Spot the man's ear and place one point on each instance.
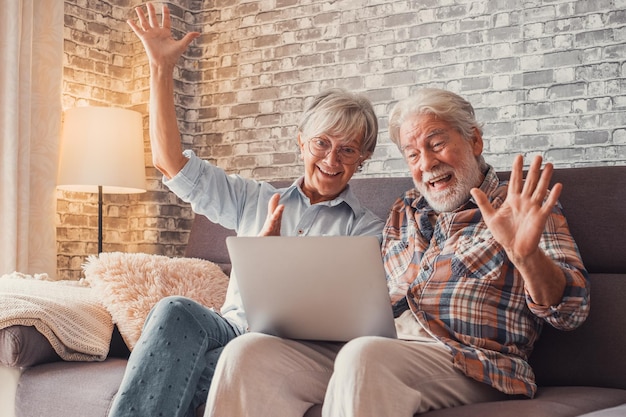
(477, 142)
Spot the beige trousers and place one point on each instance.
(266, 376)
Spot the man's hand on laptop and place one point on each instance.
(274, 217)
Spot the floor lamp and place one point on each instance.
(102, 152)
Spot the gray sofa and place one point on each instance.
(578, 372)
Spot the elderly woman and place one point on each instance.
(172, 365)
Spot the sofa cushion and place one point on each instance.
(549, 402)
(69, 389)
(593, 203)
(129, 284)
(593, 353)
(619, 411)
(207, 240)
(22, 346)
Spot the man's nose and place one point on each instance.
(428, 160)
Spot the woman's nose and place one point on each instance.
(333, 158)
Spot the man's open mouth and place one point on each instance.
(440, 180)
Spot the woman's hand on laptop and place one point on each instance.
(274, 217)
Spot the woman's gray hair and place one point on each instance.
(444, 104)
(339, 113)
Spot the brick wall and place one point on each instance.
(545, 77)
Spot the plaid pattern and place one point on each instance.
(461, 286)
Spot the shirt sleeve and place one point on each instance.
(210, 191)
(559, 245)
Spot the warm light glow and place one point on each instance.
(102, 146)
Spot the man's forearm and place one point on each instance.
(544, 280)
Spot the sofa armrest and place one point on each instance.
(23, 346)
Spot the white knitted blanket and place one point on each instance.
(67, 313)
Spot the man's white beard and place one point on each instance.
(467, 176)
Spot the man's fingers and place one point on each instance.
(544, 183)
(553, 198)
(483, 203)
(517, 177)
(530, 184)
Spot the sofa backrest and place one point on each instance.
(594, 202)
(207, 239)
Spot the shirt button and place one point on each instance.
(300, 232)
(426, 267)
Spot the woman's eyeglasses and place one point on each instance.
(321, 147)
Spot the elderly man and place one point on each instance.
(475, 267)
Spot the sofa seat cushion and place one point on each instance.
(619, 411)
(549, 402)
(69, 389)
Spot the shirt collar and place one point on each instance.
(346, 196)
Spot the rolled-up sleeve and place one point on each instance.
(558, 244)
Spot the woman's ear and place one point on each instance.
(367, 155)
(301, 145)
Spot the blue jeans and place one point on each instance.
(171, 367)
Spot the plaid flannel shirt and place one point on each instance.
(465, 292)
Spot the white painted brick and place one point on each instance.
(501, 50)
(427, 15)
(487, 51)
(531, 62)
(594, 21)
(564, 75)
(528, 126)
(501, 82)
(501, 20)
(533, 30)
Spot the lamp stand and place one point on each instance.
(99, 219)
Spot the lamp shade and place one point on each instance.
(102, 146)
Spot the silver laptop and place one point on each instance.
(330, 288)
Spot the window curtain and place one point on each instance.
(31, 68)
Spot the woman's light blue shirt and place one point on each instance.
(241, 204)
